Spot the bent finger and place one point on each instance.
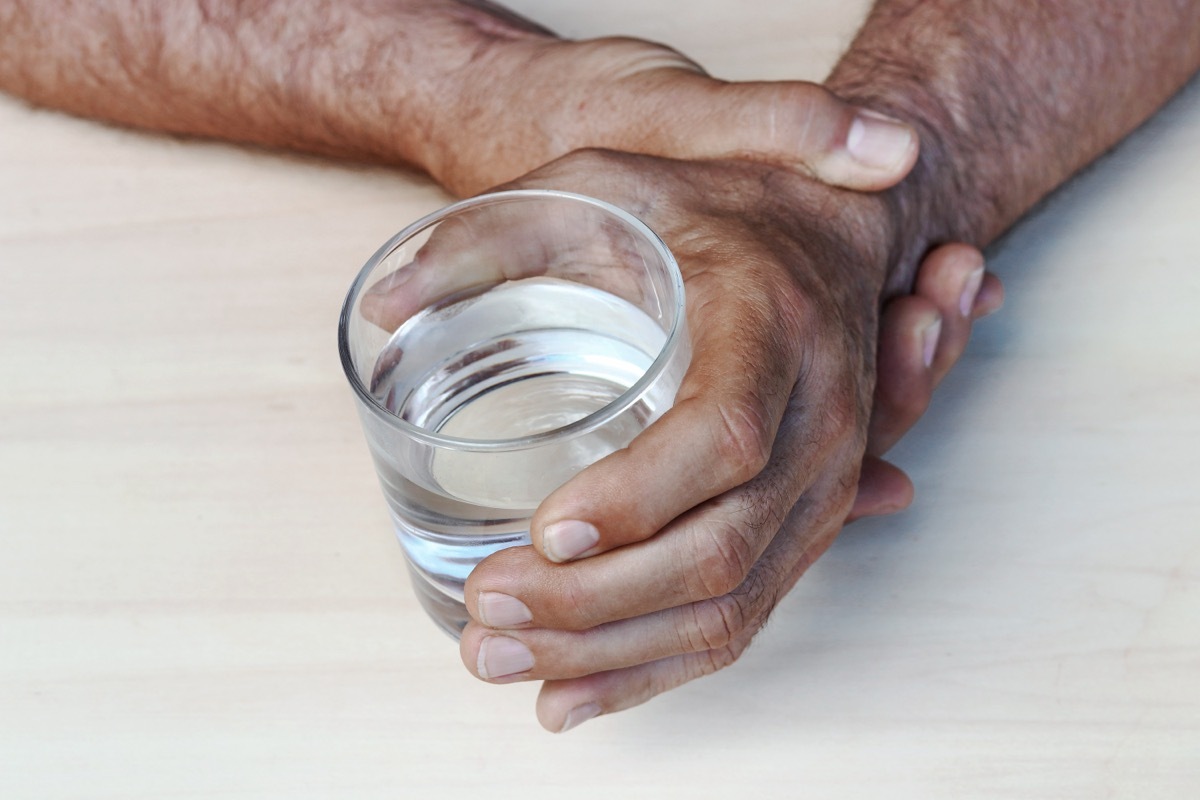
(565, 704)
(562, 704)
(883, 488)
(910, 328)
(922, 336)
(951, 278)
(702, 555)
(707, 553)
(718, 435)
(549, 654)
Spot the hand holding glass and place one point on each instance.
(496, 348)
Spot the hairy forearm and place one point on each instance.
(1010, 98)
(463, 89)
(364, 79)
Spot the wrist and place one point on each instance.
(930, 206)
(863, 225)
(526, 98)
(938, 202)
(476, 98)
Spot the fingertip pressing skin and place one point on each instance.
(797, 124)
(849, 146)
(923, 335)
(873, 153)
(911, 331)
(882, 144)
(951, 278)
(955, 277)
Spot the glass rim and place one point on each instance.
(586, 424)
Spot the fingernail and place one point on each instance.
(877, 141)
(929, 340)
(565, 540)
(579, 715)
(501, 656)
(498, 610)
(970, 292)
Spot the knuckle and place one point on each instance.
(722, 657)
(743, 439)
(840, 416)
(693, 666)
(759, 594)
(714, 623)
(816, 114)
(845, 410)
(722, 562)
(574, 607)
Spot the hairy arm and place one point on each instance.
(358, 79)
(1010, 99)
(462, 89)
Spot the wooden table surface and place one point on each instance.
(200, 595)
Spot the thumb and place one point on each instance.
(793, 123)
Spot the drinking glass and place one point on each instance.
(496, 348)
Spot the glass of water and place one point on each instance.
(496, 348)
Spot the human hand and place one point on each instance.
(951, 289)
(686, 539)
(921, 336)
(528, 99)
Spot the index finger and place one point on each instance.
(718, 435)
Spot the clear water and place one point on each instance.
(523, 358)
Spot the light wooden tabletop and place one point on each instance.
(200, 595)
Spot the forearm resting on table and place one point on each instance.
(1010, 100)
(462, 89)
(360, 79)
